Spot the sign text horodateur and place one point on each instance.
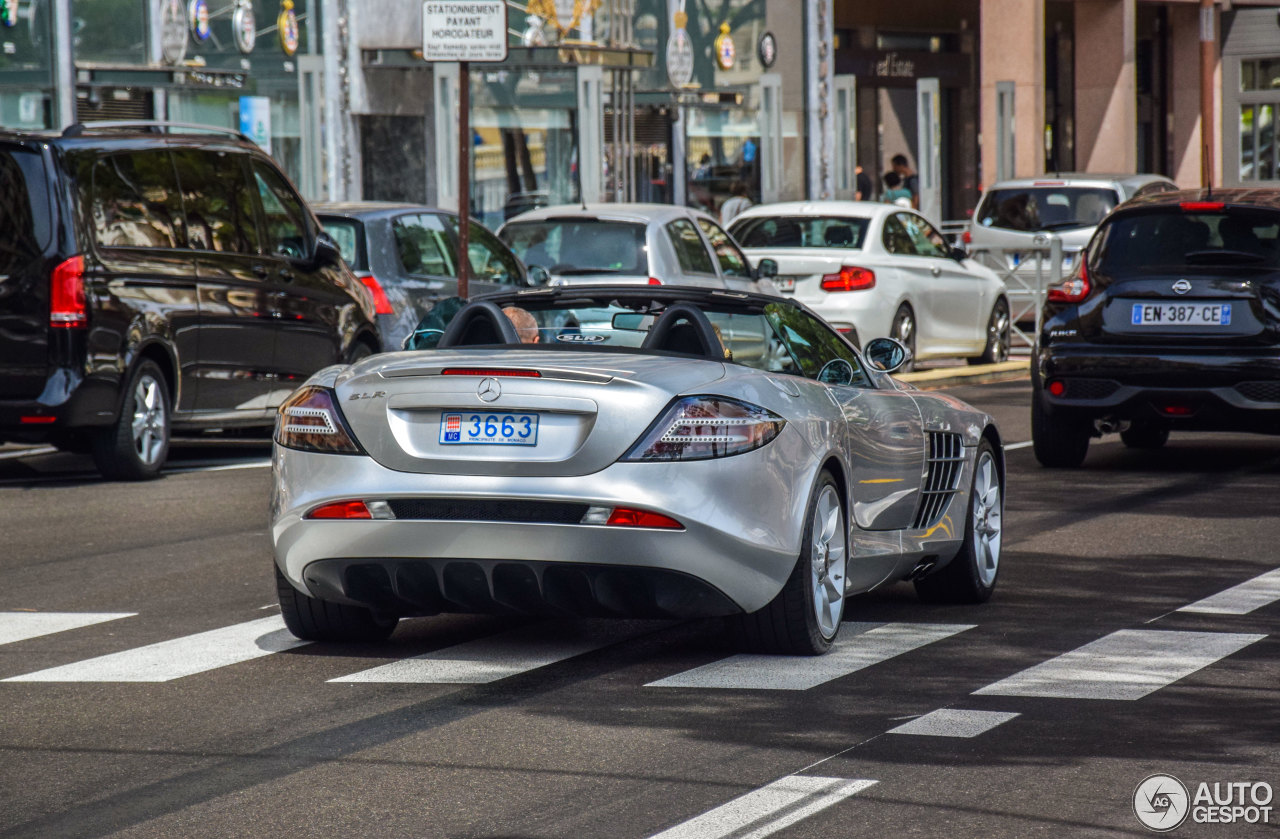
(461, 20)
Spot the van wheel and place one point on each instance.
(312, 619)
(137, 444)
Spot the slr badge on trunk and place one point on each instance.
(1182, 286)
(377, 394)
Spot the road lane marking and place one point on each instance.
(169, 660)
(767, 810)
(489, 659)
(1127, 665)
(19, 626)
(872, 644)
(1024, 444)
(225, 467)
(952, 722)
(1242, 599)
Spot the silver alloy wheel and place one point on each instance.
(999, 333)
(987, 511)
(150, 420)
(906, 328)
(827, 558)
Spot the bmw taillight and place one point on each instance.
(705, 427)
(381, 304)
(1073, 289)
(849, 278)
(310, 421)
(66, 295)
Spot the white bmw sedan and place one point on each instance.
(879, 270)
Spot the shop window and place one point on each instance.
(723, 148)
(1258, 158)
(1260, 74)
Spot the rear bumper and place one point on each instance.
(739, 544)
(1225, 390)
(68, 402)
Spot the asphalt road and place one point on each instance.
(570, 738)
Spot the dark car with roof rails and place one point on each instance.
(407, 256)
(157, 278)
(1171, 322)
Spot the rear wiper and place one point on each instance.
(1062, 225)
(1213, 257)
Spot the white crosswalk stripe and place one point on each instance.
(953, 722)
(1261, 591)
(497, 657)
(767, 810)
(1128, 664)
(19, 626)
(859, 646)
(179, 657)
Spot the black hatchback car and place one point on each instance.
(153, 281)
(1170, 323)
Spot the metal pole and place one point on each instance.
(64, 68)
(464, 178)
(1208, 42)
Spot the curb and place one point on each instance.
(976, 374)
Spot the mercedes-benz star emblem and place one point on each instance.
(1182, 286)
(489, 390)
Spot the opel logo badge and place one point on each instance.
(489, 390)
(1182, 286)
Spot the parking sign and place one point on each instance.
(464, 30)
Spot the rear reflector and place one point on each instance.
(341, 510)
(483, 371)
(381, 304)
(627, 517)
(38, 420)
(66, 295)
(1057, 388)
(1201, 206)
(1177, 410)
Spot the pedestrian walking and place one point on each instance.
(736, 203)
(910, 180)
(894, 191)
(862, 182)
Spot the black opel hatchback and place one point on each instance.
(156, 278)
(1170, 323)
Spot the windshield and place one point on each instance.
(800, 232)
(346, 233)
(1046, 207)
(580, 246)
(1178, 240)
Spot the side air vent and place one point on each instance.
(1260, 391)
(942, 477)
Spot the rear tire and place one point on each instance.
(1060, 442)
(804, 618)
(135, 446)
(971, 575)
(998, 332)
(904, 331)
(312, 619)
(1145, 436)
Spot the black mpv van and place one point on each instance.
(154, 278)
(1170, 323)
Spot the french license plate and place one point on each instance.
(1181, 314)
(489, 429)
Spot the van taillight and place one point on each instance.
(66, 295)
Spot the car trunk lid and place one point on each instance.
(588, 408)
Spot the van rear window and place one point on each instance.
(26, 227)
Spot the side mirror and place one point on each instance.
(766, 269)
(886, 354)
(325, 252)
(536, 275)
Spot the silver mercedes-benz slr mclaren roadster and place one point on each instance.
(631, 451)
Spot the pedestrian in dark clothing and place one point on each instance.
(910, 180)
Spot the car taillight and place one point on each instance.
(849, 278)
(491, 372)
(310, 421)
(655, 281)
(1074, 288)
(966, 238)
(66, 295)
(381, 304)
(705, 427)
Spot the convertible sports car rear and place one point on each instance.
(691, 459)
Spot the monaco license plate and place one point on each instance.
(1181, 314)
(477, 428)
